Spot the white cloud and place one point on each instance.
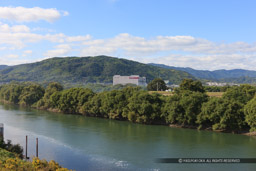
(12, 56)
(207, 62)
(78, 38)
(94, 51)
(5, 28)
(140, 46)
(61, 50)
(28, 51)
(13, 61)
(183, 51)
(42, 29)
(20, 28)
(22, 14)
(18, 36)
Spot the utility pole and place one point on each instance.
(26, 154)
(36, 147)
(1, 131)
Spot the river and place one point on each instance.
(86, 143)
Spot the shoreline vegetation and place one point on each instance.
(11, 158)
(188, 107)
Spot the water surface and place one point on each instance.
(86, 143)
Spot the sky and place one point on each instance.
(200, 34)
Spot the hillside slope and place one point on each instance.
(87, 69)
(3, 67)
(235, 75)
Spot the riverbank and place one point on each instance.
(9, 161)
(188, 107)
(241, 132)
(12, 161)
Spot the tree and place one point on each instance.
(243, 93)
(51, 89)
(250, 114)
(222, 114)
(31, 94)
(145, 108)
(192, 85)
(72, 100)
(157, 85)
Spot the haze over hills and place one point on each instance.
(235, 75)
(87, 70)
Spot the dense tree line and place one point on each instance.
(216, 88)
(188, 106)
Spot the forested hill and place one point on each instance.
(87, 69)
(235, 75)
(3, 67)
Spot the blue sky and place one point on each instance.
(199, 34)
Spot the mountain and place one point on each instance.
(87, 69)
(3, 67)
(235, 75)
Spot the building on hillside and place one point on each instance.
(132, 79)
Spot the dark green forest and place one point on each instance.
(75, 70)
(188, 106)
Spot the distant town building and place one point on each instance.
(132, 79)
(221, 84)
(174, 86)
(166, 81)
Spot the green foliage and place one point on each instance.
(242, 94)
(71, 100)
(31, 94)
(46, 102)
(222, 114)
(97, 88)
(232, 76)
(112, 104)
(144, 107)
(157, 85)
(36, 164)
(191, 85)
(11, 92)
(250, 114)
(183, 108)
(86, 70)
(14, 148)
(188, 106)
(216, 88)
(4, 154)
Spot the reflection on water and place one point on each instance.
(85, 143)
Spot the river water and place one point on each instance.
(86, 143)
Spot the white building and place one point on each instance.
(221, 84)
(132, 79)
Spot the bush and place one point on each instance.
(15, 148)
